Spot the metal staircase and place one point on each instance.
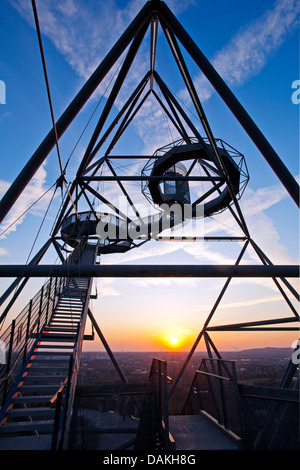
(37, 411)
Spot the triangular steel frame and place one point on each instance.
(153, 13)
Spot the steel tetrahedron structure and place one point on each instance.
(194, 177)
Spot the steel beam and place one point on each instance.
(171, 100)
(150, 178)
(72, 110)
(94, 167)
(252, 325)
(113, 94)
(130, 115)
(202, 332)
(266, 260)
(150, 271)
(36, 259)
(232, 102)
(137, 92)
(178, 126)
(192, 92)
(108, 350)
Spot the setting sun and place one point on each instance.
(173, 340)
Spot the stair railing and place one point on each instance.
(153, 432)
(214, 393)
(17, 340)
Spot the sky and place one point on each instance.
(255, 48)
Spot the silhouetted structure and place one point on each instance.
(39, 380)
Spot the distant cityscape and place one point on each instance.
(109, 408)
(262, 365)
(253, 367)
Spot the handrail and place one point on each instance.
(213, 375)
(158, 376)
(71, 381)
(154, 423)
(54, 397)
(20, 335)
(222, 372)
(62, 408)
(23, 336)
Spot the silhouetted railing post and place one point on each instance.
(48, 294)
(40, 309)
(221, 379)
(55, 293)
(57, 419)
(8, 363)
(27, 331)
(67, 396)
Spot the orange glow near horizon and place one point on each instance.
(176, 340)
(180, 340)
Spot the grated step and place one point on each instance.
(61, 329)
(40, 412)
(27, 426)
(68, 321)
(39, 388)
(71, 303)
(52, 355)
(51, 347)
(75, 315)
(43, 378)
(61, 316)
(48, 370)
(70, 310)
(32, 400)
(58, 339)
(43, 442)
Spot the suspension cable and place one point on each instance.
(49, 99)
(28, 209)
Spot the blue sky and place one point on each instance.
(255, 47)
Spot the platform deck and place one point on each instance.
(195, 432)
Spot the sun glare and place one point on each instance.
(174, 340)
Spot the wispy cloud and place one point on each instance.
(262, 229)
(35, 189)
(105, 287)
(3, 252)
(244, 303)
(83, 32)
(250, 49)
